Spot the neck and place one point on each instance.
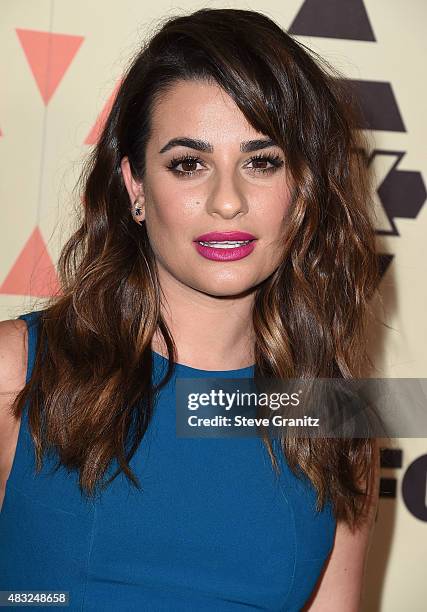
(210, 332)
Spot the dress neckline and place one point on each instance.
(183, 367)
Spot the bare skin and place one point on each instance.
(209, 303)
(13, 366)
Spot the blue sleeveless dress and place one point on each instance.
(213, 528)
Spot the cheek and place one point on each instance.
(170, 208)
(272, 211)
(164, 217)
(273, 227)
(170, 231)
(282, 200)
(167, 224)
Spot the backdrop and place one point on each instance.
(61, 62)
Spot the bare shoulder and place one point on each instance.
(13, 355)
(13, 368)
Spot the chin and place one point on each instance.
(226, 289)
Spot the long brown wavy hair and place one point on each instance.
(91, 391)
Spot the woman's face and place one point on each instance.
(217, 189)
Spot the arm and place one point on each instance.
(13, 362)
(340, 585)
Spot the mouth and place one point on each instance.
(230, 249)
(225, 244)
(229, 237)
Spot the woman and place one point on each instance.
(208, 136)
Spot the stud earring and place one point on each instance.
(138, 209)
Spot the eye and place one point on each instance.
(185, 160)
(275, 162)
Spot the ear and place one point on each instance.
(135, 191)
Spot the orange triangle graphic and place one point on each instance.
(49, 56)
(95, 132)
(33, 273)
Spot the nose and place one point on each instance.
(226, 199)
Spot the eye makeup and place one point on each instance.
(275, 160)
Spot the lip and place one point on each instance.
(222, 236)
(231, 254)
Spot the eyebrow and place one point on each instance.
(201, 145)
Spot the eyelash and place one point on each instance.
(273, 159)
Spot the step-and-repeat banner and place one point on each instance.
(61, 62)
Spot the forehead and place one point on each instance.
(199, 109)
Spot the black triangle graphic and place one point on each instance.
(384, 261)
(378, 105)
(333, 19)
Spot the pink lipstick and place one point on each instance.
(225, 246)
